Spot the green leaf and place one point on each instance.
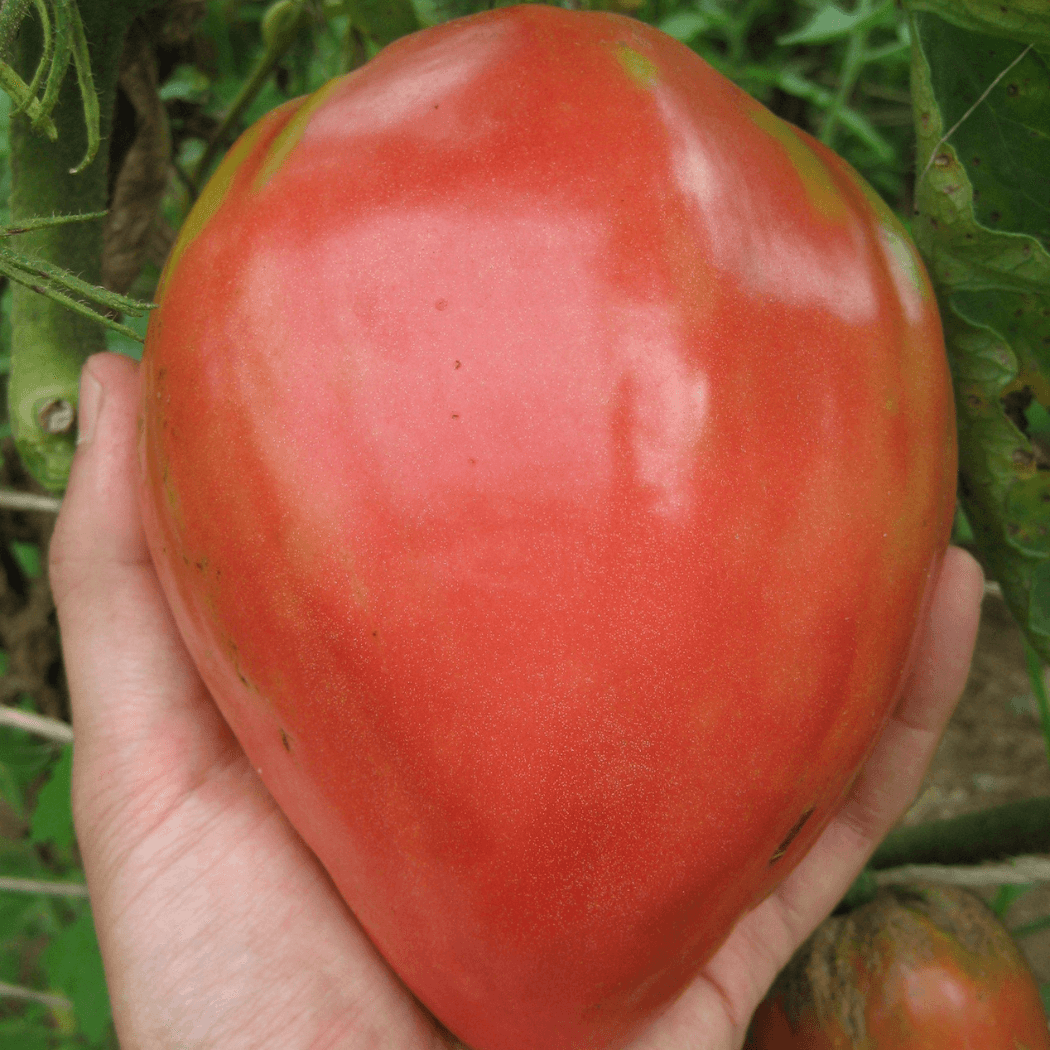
(1018, 19)
(386, 20)
(794, 84)
(19, 1034)
(186, 83)
(1005, 896)
(983, 124)
(74, 968)
(53, 816)
(832, 23)
(1029, 928)
(1037, 420)
(22, 760)
(684, 25)
(28, 557)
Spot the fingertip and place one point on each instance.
(965, 574)
(956, 609)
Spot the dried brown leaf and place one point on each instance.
(143, 175)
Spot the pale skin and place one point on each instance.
(218, 927)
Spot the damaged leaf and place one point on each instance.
(981, 89)
(134, 215)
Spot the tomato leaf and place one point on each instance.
(74, 966)
(832, 23)
(22, 760)
(385, 20)
(53, 817)
(28, 557)
(983, 225)
(24, 1034)
(1027, 20)
(682, 25)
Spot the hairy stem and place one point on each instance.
(50, 342)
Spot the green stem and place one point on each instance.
(1036, 926)
(1011, 830)
(1038, 681)
(11, 14)
(282, 39)
(49, 341)
(851, 70)
(48, 49)
(26, 101)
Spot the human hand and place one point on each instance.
(218, 927)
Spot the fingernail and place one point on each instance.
(89, 405)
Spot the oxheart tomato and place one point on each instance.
(547, 454)
(921, 967)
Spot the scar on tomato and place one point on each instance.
(791, 836)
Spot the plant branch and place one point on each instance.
(31, 278)
(26, 102)
(14, 991)
(70, 282)
(13, 500)
(851, 69)
(1010, 830)
(279, 40)
(1036, 675)
(1020, 871)
(50, 887)
(51, 728)
(48, 49)
(11, 14)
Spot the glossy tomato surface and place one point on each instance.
(547, 453)
(919, 968)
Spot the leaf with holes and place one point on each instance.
(983, 120)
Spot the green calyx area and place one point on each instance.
(639, 68)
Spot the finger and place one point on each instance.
(138, 705)
(764, 940)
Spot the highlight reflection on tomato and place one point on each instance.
(547, 455)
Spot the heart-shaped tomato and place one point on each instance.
(547, 454)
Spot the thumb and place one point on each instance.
(143, 723)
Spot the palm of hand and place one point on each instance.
(216, 901)
(218, 927)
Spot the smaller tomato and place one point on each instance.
(919, 968)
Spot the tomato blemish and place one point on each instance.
(639, 68)
(791, 836)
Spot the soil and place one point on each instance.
(993, 751)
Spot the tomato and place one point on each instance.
(919, 968)
(547, 454)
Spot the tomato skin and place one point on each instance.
(920, 968)
(547, 454)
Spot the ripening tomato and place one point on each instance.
(547, 455)
(919, 968)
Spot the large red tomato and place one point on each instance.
(919, 968)
(547, 454)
